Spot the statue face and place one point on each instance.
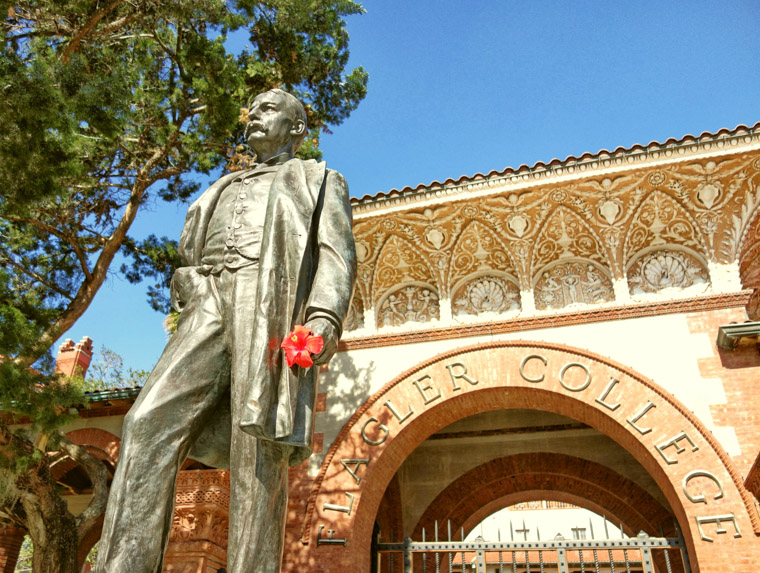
(272, 124)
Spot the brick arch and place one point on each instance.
(636, 413)
(103, 445)
(100, 443)
(548, 495)
(505, 481)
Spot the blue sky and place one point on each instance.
(458, 88)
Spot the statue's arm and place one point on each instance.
(335, 276)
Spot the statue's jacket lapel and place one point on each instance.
(280, 399)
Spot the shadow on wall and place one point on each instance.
(346, 387)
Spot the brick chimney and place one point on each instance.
(74, 359)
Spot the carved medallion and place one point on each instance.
(487, 294)
(572, 283)
(665, 269)
(413, 303)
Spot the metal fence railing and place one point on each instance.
(640, 554)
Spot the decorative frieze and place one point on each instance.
(656, 232)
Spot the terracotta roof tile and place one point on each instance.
(539, 166)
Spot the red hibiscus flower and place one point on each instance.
(300, 344)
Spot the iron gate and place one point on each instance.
(640, 554)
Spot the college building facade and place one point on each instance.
(581, 332)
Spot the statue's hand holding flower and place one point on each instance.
(299, 346)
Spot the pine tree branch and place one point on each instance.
(111, 246)
(6, 260)
(53, 231)
(73, 45)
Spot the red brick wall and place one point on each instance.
(739, 370)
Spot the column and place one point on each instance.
(198, 539)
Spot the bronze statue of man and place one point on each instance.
(263, 249)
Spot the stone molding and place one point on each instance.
(553, 320)
(742, 138)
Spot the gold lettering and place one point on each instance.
(342, 508)
(700, 498)
(357, 462)
(388, 404)
(674, 442)
(567, 367)
(462, 375)
(717, 520)
(601, 399)
(632, 421)
(382, 427)
(424, 389)
(525, 361)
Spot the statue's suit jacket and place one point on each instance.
(307, 269)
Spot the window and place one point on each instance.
(579, 532)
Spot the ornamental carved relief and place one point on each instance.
(749, 266)
(201, 509)
(523, 227)
(478, 249)
(199, 524)
(399, 262)
(664, 269)
(565, 236)
(411, 303)
(355, 318)
(572, 283)
(661, 220)
(487, 294)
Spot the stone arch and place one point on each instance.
(541, 475)
(104, 446)
(100, 443)
(698, 480)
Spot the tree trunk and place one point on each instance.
(59, 553)
(50, 524)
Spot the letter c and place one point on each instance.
(525, 361)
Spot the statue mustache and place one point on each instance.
(252, 125)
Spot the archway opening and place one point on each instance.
(523, 475)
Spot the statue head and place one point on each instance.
(277, 123)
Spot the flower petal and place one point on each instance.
(314, 344)
(303, 359)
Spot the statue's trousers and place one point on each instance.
(192, 378)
